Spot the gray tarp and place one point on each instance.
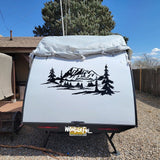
(79, 47)
(5, 76)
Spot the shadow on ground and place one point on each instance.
(91, 146)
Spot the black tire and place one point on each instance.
(17, 121)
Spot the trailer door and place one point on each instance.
(97, 90)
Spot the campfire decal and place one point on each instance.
(82, 81)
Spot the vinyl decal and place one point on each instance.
(82, 81)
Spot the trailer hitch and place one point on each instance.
(77, 123)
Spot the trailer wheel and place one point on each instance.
(17, 121)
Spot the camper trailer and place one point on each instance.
(10, 114)
(81, 85)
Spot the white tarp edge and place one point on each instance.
(79, 47)
(5, 76)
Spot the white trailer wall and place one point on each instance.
(49, 103)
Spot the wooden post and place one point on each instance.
(14, 81)
(140, 79)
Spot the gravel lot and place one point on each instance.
(142, 143)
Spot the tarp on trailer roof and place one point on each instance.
(79, 47)
(5, 76)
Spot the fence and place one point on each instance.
(147, 80)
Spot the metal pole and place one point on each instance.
(62, 17)
(66, 13)
(140, 79)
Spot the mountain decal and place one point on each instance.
(83, 81)
(78, 74)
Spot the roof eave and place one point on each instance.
(17, 49)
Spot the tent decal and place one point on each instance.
(82, 81)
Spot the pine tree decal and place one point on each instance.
(61, 77)
(90, 84)
(78, 85)
(107, 87)
(96, 86)
(52, 76)
(81, 86)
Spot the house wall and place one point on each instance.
(22, 68)
(22, 72)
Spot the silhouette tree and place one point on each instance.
(70, 85)
(107, 87)
(78, 85)
(52, 76)
(61, 78)
(90, 84)
(81, 86)
(96, 86)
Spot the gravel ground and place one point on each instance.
(142, 143)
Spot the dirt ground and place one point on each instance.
(142, 143)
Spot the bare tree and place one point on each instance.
(146, 62)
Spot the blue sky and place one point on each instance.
(136, 19)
